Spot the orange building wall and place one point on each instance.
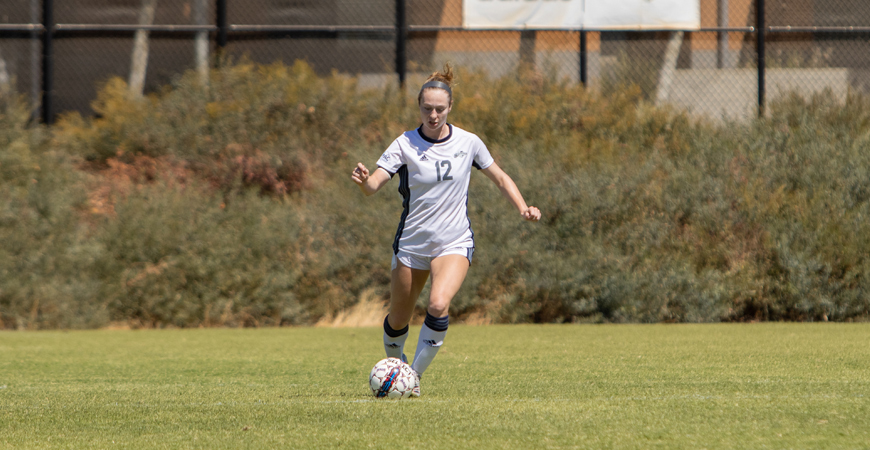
(740, 14)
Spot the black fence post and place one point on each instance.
(47, 61)
(722, 59)
(583, 73)
(401, 40)
(761, 29)
(221, 23)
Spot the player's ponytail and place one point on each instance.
(439, 80)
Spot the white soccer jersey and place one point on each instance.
(433, 181)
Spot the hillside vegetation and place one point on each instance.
(231, 205)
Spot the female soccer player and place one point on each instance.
(434, 236)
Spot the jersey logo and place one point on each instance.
(424, 158)
(460, 154)
(385, 156)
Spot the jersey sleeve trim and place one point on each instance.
(392, 174)
(482, 153)
(479, 167)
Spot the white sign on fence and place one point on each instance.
(588, 14)
(519, 14)
(642, 14)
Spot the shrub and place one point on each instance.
(231, 204)
(252, 125)
(45, 243)
(180, 255)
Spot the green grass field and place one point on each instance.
(521, 386)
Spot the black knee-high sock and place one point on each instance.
(394, 340)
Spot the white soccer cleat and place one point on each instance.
(415, 391)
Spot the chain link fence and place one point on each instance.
(58, 53)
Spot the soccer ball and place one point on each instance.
(391, 378)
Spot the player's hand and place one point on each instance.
(532, 214)
(360, 174)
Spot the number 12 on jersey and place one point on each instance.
(439, 165)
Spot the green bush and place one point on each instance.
(252, 125)
(176, 255)
(231, 204)
(651, 216)
(45, 247)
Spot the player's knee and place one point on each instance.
(438, 308)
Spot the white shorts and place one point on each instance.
(424, 262)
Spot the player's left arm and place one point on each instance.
(509, 189)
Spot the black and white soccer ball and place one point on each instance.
(392, 378)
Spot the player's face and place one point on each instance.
(434, 107)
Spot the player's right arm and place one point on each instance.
(369, 183)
